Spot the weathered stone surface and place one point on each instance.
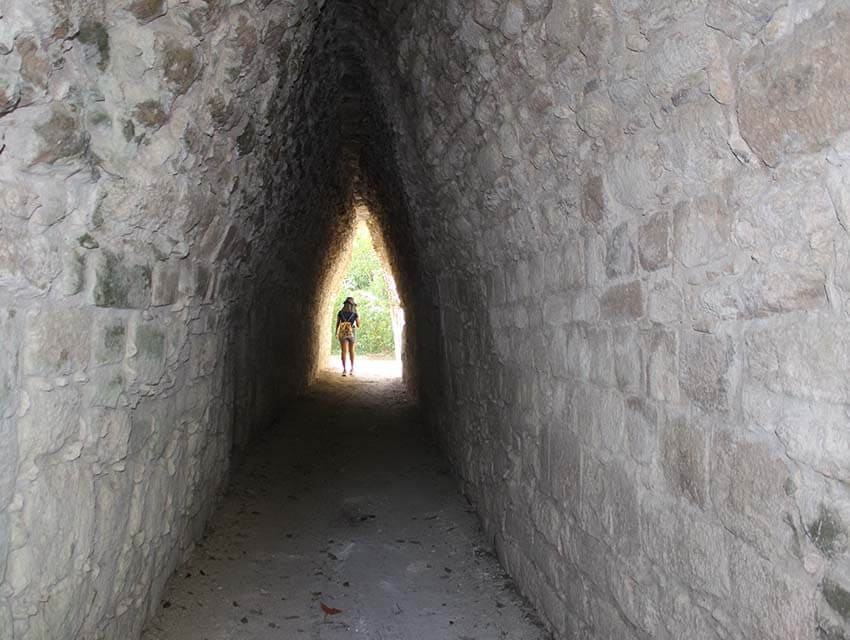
(120, 284)
(620, 254)
(56, 342)
(654, 242)
(791, 97)
(752, 490)
(766, 291)
(624, 301)
(523, 158)
(8, 462)
(705, 370)
(684, 461)
(802, 360)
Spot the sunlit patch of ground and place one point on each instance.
(368, 367)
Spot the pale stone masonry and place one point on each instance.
(621, 230)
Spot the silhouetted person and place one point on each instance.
(347, 322)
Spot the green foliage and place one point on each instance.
(365, 282)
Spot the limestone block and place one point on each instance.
(662, 367)
(147, 352)
(8, 462)
(120, 283)
(627, 359)
(791, 98)
(601, 357)
(51, 421)
(706, 372)
(165, 284)
(620, 254)
(147, 10)
(678, 54)
(740, 16)
(767, 290)
(598, 418)
(702, 231)
(623, 302)
(62, 135)
(4, 542)
(578, 352)
(561, 466)
(654, 241)
(812, 434)
(109, 340)
(56, 342)
(63, 495)
(112, 428)
(665, 302)
(642, 425)
(684, 461)
(8, 361)
(689, 546)
(770, 602)
(752, 489)
(513, 19)
(802, 360)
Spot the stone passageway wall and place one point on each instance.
(620, 230)
(136, 234)
(640, 249)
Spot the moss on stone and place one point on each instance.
(827, 534)
(87, 241)
(94, 33)
(146, 10)
(121, 286)
(838, 598)
(150, 343)
(151, 114)
(180, 66)
(246, 140)
(61, 135)
(129, 130)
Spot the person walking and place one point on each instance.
(347, 322)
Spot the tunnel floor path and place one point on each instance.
(343, 521)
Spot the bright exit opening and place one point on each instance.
(367, 279)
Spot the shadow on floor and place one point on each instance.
(342, 522)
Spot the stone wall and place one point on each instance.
(137, 225)
(619, 228)
(639, 253)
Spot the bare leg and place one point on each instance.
(351, 357)
(342, 349)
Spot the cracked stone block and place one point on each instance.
(56, 342)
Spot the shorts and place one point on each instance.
(351, 340)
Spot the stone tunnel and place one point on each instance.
(620, 229)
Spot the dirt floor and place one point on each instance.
(344, 522)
